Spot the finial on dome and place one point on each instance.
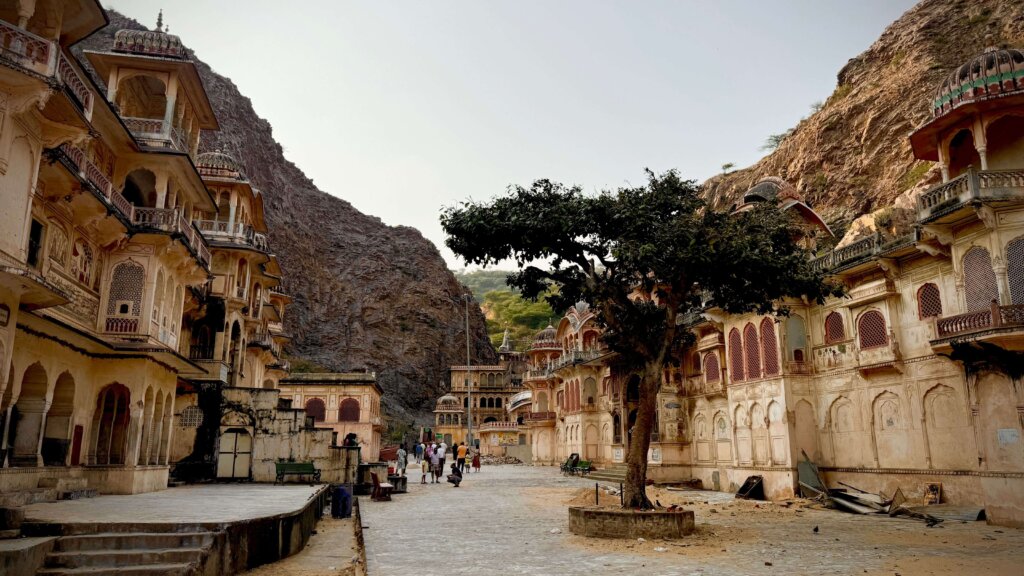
(160, 21)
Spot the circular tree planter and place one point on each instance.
(619, 523)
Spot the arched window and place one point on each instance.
(497, 402)
(1015, 269)
(348, 411)
(124, 301)
(796, 338)
(929, 303)
(712, 373)
(316, 409)
(736, 355)
(752, 355)
(490, 380)
(769, 348)
(979, 280)
(834, 330)
(871, 330)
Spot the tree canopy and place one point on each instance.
(644, 257)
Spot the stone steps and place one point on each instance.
(28, 496)
(129, 553)
(151, 570)
(128, 540)
(127, 558)
(614, 475)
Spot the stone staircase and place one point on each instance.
(130, 553)
(48, 490)
(613, 475)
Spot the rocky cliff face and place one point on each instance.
(367, 295)
(853, 156)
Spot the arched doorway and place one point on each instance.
(962, 153)
(57, 432)
(349, 410)
(109, 445)
(316, 409)
(234, 356)
(235, 457)
(140, 188)
(27, 418)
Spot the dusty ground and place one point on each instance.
(330, 552)
(513, 520)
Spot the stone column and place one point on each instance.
(172, 96)
(161, 189)
(134, 433)
(42, 433)
(943, 161)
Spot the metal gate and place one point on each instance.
(235, 456)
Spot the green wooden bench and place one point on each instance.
(583, 468)
(296, 469)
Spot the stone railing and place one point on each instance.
(44, 57)
(574, 357)
(75, 84)
(860, 250)
(172, 221)
(995, 317)
(531, 375)
(26, 49)
(949, 196)
(499, 427)
(538, 416)
(89, 172)
(234, 232)
(121, 325)
(200, 352)
(793, 367)
(156, 133)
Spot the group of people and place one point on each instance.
(431, 459)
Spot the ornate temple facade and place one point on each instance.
(140, 303)
(913, 377)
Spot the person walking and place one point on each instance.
(476, 460)
(418, 450)
(460, 457)
(435, 467)
(443, 451)
(424, 470)
(456, 476)
(403, 459)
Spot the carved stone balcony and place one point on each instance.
(44, 57)
(233, 233)
(171, 221)
(155, 133)
(948, 201)
(999, 325)
(709, 341)
(507, 426)
(93, 179)
(539, 418)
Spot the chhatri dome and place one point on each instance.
(992, 74)
(218, 163)
(150, 42)
(546, 338)
(447, 402)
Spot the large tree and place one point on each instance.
(645, 258)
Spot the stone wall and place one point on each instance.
(618, 523)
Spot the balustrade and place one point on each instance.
(69, 77)
(25, 48)
(122, 325)
(155, 132)
(995, 317)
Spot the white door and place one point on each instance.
(235, 455)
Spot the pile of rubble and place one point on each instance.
(488, 460)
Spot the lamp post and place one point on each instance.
(469, 382)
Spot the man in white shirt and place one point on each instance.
(442, 450)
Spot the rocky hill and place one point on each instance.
(367, 295)
(852, 156)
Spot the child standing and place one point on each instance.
(424, 470)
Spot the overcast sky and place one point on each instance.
(404, 106)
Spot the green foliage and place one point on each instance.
(914, 175)
(305, 366)
(883, 219)
(615, 249)
(481, 282)
(775, 140)
(523, 318)
(841, 92)
(727, 167)
(816, 106)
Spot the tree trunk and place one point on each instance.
(635, 487)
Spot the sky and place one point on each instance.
(403, 107)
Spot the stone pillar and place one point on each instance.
(161, 189)
(1002, 283)
(134, 433)
(980, 142)
(172, 96)
(26, 8)
(943, 161)
(232, 202)
(42, 434)
(169, 430)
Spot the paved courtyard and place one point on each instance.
(207, 503)
(502, 521)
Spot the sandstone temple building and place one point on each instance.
(914, 377)
(141, 305)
